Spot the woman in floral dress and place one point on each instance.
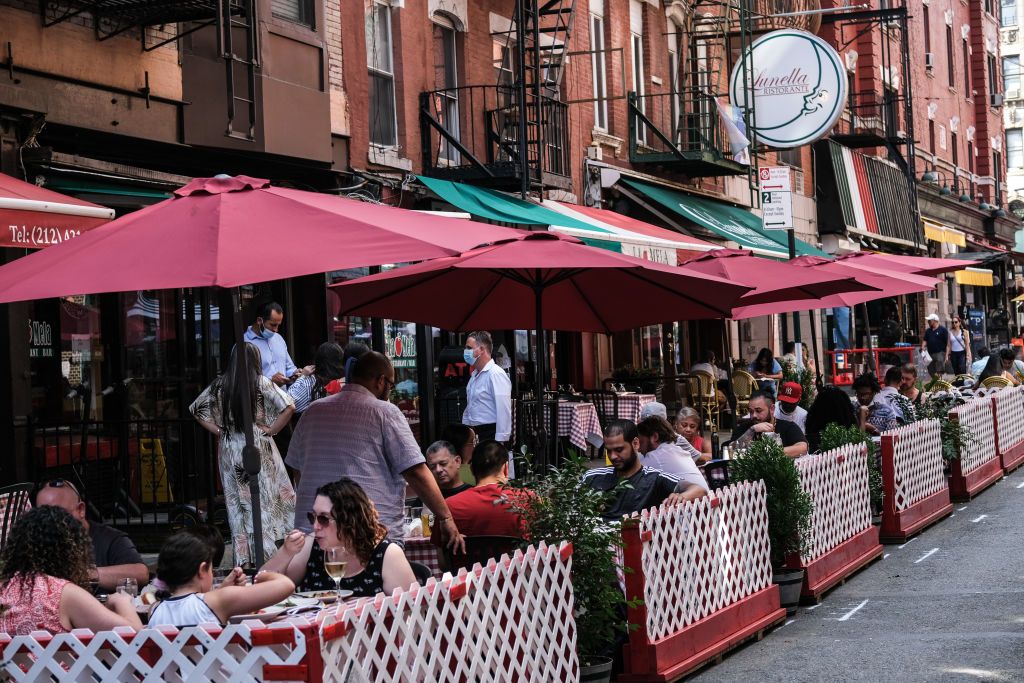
(271, 410)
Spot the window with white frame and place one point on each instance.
(1011, 74)
(675, 43)
(1008, 12)
(636, 54)
(1014, 148)
(446, 82)
(600, 66)
(380, 63)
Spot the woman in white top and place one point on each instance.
(958, 346)
(187, 599)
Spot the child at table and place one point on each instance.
(187, 598)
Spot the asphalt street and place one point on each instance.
(946, 606)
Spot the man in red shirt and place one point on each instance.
(485, 509)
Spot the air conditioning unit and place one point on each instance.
(929, 61)
(1012, 94)
(995, 99)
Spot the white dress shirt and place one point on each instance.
(797, 417)
(489, 400)
(671, 459)
(713, 370)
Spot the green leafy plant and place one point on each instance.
(789, 506)
(628, 373)
(834, 436)
(956, 437)
(556, 508)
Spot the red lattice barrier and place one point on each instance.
(1008, 407)
(704, 572)
(842, 538)
(916, 493)
(287, 651)
(509, 621)
(978, 467)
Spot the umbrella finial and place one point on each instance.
(220, 184)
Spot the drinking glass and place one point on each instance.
(128, 586)
(334, 565)
(219, 575)
(427, 520)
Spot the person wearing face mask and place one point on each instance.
(357, 433)
(489, 392)
(278, 365)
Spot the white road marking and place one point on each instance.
(790, 621)
(901, 547)
(952, 514)
(961, 509)
(885, 556)
(814, 607)
(1020, 485)
(978, 519)
(854, 610)
(926, 555)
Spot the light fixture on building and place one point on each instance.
(964, 197)
(945, 191)
(930, 176)
(985, 206)
(999, 213)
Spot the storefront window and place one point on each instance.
(650, 343)
(66, 359)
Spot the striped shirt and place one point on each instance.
(647, 488)
(356, 435)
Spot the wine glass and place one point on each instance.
(334, 565)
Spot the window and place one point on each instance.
(953, 144)
(1008, 12)
(675, 43)
(931, 136)
(890, 111)
(967, 69)
(989, 7)
(296, 11)
(927, 30)
(446, 80)
(949, 56)
(379, 61)
(1011, 74)
(970, 157)
(997, 173)
(993, 77)
(1014, 148)
(790, 157)
(600, 68)
(636, 54)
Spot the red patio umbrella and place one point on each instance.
(230, 231)
(910, 265)
(541, 281)
(774, 280)
(34, 217)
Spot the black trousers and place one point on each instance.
(485, 432)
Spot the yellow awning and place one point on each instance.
(1018, 298)
(937, 232)
(975, 277)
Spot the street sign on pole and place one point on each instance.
(776, 197)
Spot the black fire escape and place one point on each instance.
(513, 135)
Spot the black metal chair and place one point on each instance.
(528, 426)
(421, 572)
(606, 402)
(15, 500)
(479, 549)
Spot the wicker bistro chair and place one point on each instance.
(14, 502)
(703, 398)
(942, 385)
(965, 381)
(743, 385)
(996, 382)
(479, 549)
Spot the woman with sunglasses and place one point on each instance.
(219, 410)
(344, 521)
(958, 346)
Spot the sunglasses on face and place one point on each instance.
(60, 484)
(321, 519)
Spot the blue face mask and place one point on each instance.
(265, 333)
(467, 355)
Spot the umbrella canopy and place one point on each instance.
(909, 265)
(542, 280)
(35, 217)
(884, 284)
(773, 280)
(230, 231)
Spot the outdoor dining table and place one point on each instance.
(630, 405)
(577, 420)
(420, 549)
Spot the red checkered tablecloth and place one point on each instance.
(421, 550)
(576, 420)
(630, 405)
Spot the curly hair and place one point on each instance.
(355, 516)
(47, 540)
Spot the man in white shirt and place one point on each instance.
(788, 406)
(710, 366)
(660, 452)
(489, 392)
(899, 403)
(264, 334)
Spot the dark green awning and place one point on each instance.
(725, 220)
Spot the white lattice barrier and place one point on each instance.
(1009, 407)
(917, 462)
(509, 621)
(237, 653)
(837, 482)
(701, 557)
(976, 415)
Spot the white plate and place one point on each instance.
(265, 614)
(297, 601)
(327, 596)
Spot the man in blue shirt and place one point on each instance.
(278, 365)
(936, 337)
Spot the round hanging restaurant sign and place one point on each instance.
(799, 87)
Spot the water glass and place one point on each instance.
(219, 575)
(128, 586)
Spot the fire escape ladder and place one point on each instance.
(236, 24)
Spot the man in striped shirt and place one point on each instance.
(646, 488)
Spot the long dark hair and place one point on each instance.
(765, 361)
(355, 516)
(180, 559)
(47, 541)
(832, 405)
(328, 366)
(993, 368)
(228, 388)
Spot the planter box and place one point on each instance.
(897, 527)
(847, 558)
(963, 487)
(1012, 458)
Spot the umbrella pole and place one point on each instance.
(542, 437)
(867, 336)
(814, 347)
(250, 453)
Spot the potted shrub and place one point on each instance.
(556, 508)
(834, 436)
(789, 510)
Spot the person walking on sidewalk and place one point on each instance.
(959, 347)
(935, 341)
